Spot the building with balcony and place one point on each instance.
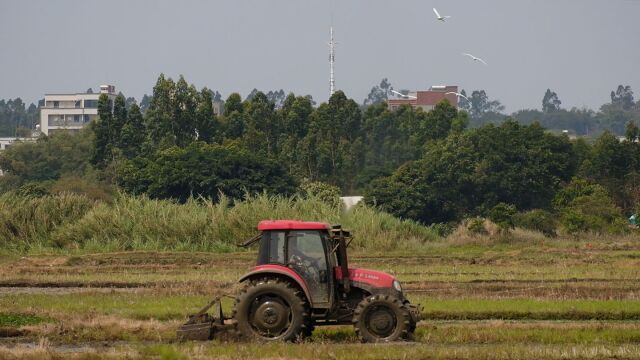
(426, 99)
(71, 112)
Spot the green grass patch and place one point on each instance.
(17, 319)
(165, 307)
(321, 351)
(522, 309)
(125, 305)
(505, 332)
(533, 333)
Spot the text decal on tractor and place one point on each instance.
(302, 280)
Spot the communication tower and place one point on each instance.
(332, 60)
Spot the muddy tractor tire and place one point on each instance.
(381, 318)
(271, 309)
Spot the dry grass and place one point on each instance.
(490, 234)
(98, 327)
(73, 223)
(559, 279)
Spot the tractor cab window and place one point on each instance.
(276, 247)
(307, 257)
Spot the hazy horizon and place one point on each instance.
(581, 49)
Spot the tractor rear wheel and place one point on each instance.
(270, 309)
(381, 318)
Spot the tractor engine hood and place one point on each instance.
(372, 278)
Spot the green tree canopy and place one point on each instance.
(379, 93)
(202, 169)
(48, 158)
(550, 102)
(472, 172)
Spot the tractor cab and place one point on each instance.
(311, 250)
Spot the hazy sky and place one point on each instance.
(582, 49)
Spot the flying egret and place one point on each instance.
(441, 18)
(475, 58)
(403, 95)
(459, 95)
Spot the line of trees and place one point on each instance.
(426, 166)
(16, 119)
(513, 168)
(336, 142)
(613, 116)
(483, 110)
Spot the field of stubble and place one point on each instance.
(527, 301)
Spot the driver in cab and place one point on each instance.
(302, 263)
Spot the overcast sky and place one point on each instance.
(582, 49)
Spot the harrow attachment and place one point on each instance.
(202, 326)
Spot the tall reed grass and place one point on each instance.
(27, 222)
(69, 221)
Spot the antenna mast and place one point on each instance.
(332, 59)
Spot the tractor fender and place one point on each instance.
(281, 271)
(372, 290)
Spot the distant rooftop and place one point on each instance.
(104, 89)
(427, 98)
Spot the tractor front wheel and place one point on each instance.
(381, 318)
(271, 309)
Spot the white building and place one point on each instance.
(351, 201)
(7, 142)
(71, 111)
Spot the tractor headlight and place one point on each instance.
(396, 285)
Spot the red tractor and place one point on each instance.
(302, 280)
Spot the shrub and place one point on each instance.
(594, 213)
(475, 230)
(476, 226)
(575, 189)
(34, 189)
(587, 207)
(502, 215)
(9, 182)
(81, 186)
(443, 230)
(325, 192)
(537, 220)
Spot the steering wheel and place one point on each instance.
(305, 267)
(296, 261)
(298, 264)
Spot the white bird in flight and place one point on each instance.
(475, 58)
(441, 18)
(403, 95)
(459, 95)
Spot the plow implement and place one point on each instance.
(203, 326)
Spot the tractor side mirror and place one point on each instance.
(323, 276)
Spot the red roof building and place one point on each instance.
(426, 99)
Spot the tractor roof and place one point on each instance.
(291, 225)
